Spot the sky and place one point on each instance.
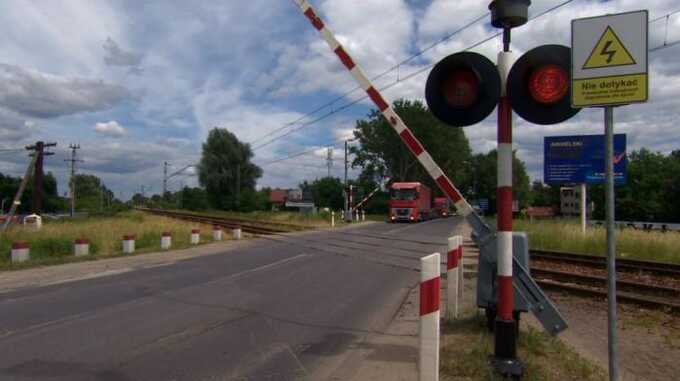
(137, 84)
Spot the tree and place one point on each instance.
(484, 174)
(91, 194)
(650, 192)
(544, 195)
(382, 153)
(225, 170)
(327, 192)
(194, 198)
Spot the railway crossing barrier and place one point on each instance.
(81, 247)
(195, 236)
(166, 240)
(453, 263)
(20, 252)
(236, 233)
(217, 233)
(428, 332)
(507, 274)
(129, 244)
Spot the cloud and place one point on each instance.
(115, 56)
(42, 95)
(111, 128)
(14, 128)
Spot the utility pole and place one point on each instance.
(329, 159)
(39, 152)
(165, 177)
(238, 185)
(20, 192)
(346, 187)
(72, 183)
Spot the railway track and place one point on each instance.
(646, 283)
(622, 264)
(229, 223)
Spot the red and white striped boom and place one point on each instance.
(462, 206)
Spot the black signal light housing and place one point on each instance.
(463, 89)
(539, 85)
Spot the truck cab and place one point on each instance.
(410, 202)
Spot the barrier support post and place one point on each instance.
(452, 264)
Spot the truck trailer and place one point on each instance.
(410, 202)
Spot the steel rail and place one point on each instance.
(663, 268)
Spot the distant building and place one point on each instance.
(278, 198)
(570, 201)
(292, 198)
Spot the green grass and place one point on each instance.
(467, 344)
(565, 235)
(53, 244)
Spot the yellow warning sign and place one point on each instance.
(609, 51)
(609, 90)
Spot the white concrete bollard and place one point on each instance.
(332, 219)
(166, 240)
(195, 236)
(128, 244)
(428, 333)
(236, 233)
(20, 252)
(363, 215)
(452, 264)
(357, 216)
(81, 247)
(217, 233)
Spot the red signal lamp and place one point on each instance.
(548, 84)
(539, 84)
(463, 89)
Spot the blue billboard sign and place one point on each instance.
(483, 204)
(580, 159)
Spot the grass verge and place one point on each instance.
(53, 244)
(565, 235)
(466, 345)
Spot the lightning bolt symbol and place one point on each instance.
(606, 51)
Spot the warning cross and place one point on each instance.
(609, 51)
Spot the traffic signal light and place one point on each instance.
(539, 85)
(463, 89)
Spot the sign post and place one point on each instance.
(609, 68)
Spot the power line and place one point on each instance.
(398, 80)
(382, 74)
(428, 67)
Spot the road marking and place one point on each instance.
(411, 226)
(265, 267)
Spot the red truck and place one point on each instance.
(411, 202)
(442, 207)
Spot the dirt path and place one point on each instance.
(649, 341)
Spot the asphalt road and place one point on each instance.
(284, 308)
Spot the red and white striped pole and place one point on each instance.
(505, 346)
(452, 264)
(462, 206)
(429, 318)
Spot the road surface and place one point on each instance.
(282, 308)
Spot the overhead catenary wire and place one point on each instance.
(428, 67)
(376, 77)
(401, 79)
